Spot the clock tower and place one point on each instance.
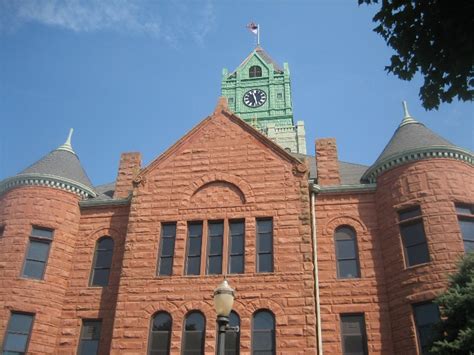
(259, 92)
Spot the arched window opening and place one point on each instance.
(263, 333)
(346, 253)
(102, 262)
(194, 334)
(255, 71)
(160, 334)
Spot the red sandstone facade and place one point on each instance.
(225, 170)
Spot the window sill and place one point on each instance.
(411, 267)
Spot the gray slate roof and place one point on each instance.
(412, 136)
(261, 52)
(62, 164)
(349, 173)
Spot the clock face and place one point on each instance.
(255, 98)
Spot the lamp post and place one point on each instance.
(223, 301)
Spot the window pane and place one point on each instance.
(90, 336)
(194, 321)
(236, 264)
(348, 268)
(216, 228)
(162, 321)
(195, 229)
(166, 266)
(194, 265)
(417, 254)
(263, 320)
(353, 344)
(194, 246)
(89, 347)
(413, 233)
(265, 243)
(169, 230)
(42, 232)
(263, 340)
(16, 342)
(468, 246)
(20, 323)
(106, 244)
(264, 226)
(409, 213)
(104, 258)
(464, 209)
(34, 269)
(237, 228)
(101, 277)
(237, 245)
(346, 249)
(160, 341)
(215, 265)
(265, 263)
(38, 251)
(167, 246)
(426, 316)
(215, 246)
(344, 233)
(467, 229)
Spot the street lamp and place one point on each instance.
(223, 301)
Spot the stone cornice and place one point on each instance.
(434, 152)
(105, 203)
(343, 188)
(51, 181)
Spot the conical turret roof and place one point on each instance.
(411, 141)
(60, 168)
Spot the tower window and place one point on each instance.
(413, 237)
(426, 316)
(18, 333)
(255, 71)
(38, 252)
(346, 253)
(279, 96)
(231, 100)
(466, 224)
(168, 236)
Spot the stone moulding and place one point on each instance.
(414, 155)
(51, 181)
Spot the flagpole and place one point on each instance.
(258, 35)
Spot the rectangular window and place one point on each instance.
(214, 247)
(354, 338)
(413, 237)
(38, 251)
(90, 337)
(466, 223)
(236, 247)
(18, 333)
(264, 245)
(279, 96)
(231, 100)
(166, 253)
(193, 260)
(2, 230)
(426, 316)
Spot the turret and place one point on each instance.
(421, 178)
(39, 209)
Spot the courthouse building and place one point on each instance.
(325, 256)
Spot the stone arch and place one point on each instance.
(102, 232)
(164, 306)
(239, 184)
(350, 221)
(270, 305)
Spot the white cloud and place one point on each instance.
(169, 21)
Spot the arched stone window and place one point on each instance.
(232, 337)
(160, 334)
(347, 254)
(255, 71)
(194, 334)
(102, 262)
(263, 333)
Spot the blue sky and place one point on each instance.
(136, 75)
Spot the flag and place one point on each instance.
(253, 28)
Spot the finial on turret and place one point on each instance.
(407, 118)
(67, 144)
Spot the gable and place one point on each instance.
(254, 60)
